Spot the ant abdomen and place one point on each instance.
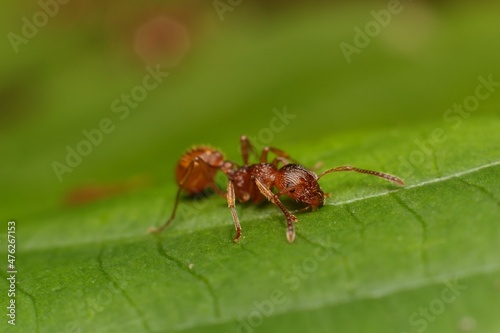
(196, 169)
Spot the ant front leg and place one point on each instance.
(230, 204)
(290, 218)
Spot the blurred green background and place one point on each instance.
(227, 77)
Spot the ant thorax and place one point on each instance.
(244, 184)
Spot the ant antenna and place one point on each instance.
(382, 175)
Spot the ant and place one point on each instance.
(255, 182)
(197, 168)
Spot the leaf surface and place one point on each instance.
(373, 245)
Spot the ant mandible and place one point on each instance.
(197, 168)
(255, 182)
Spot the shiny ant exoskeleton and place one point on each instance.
(197, 168)
(256, 182)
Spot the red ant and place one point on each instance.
(197, 168)
(255, 182)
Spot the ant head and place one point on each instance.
(300, 184)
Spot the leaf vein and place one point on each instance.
(363, 227)
(198, 276)
(423, 244)
(435, 163)
(252, 252)
(482, 189)
(345, 261)
(390, 290)
(32, 299)
(108, 277)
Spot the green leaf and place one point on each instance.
(372, 246)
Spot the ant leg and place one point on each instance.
(382, 175)
(278, 159)
(195, 161)
(290, 218)
(317, 166)
(291, 189)
(230, 204)
(181, 183)
(166, 224)
(281, 156)
(246, 148)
